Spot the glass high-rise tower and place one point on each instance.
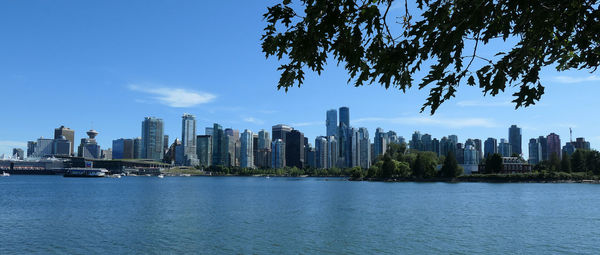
(345, 116)
(188, 139)
(247, 150)
(152, 138)
(514, 139)
(331, 122)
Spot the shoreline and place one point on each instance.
(467, 179)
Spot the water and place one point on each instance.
(225, 215)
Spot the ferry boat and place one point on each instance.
(85, 172)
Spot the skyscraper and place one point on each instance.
(345, 116)
(344, 139)
(447, 145)
(569, 148)
(188, 139)
(365, 148)
(232, 137)
(310, 157)
(415, 142)
(219, 146)
(137, 147)
(279, 132)
(62, 146)
(544, 145)
(254, 148)
(264, 140)
(490, 146)
(43, 147)
(18, 153)
(514, 139)
(166, 143)
(581, 144)
(354, 148)
(332, 152)
(478, 148)
(321, 152)
(553, 143)
(152, 138)
(331, 122)
(453, 138)
(31, 148)
(426, 143)
(209, 131)
(504, 148)
(460, 153)
(379, 143)
(106, 154)
(294, 149)
(123, 149)
(68, 133)
(535, 151)
(392, 137)
(204, 150)
(89, 148)
(470, 155)
(247, 150)
(435, 146)
(277, 153)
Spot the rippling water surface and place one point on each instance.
(52, 214)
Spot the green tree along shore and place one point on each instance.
(402, 164)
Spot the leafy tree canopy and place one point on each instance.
(450, 168)
(441, 37)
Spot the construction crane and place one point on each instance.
(571, 135)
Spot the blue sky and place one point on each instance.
(108, 64)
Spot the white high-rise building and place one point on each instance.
(321, 146)
(246, 150)
(365, 148)
(332, 152)
(188, 139)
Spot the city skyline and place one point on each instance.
(184, 63)
(353, 145)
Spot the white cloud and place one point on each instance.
(575, 79)
(253, 120)
(306, 124)
(175, 97)
(433, 121)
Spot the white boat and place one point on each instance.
(4, 174)
(86, 172)
(161, 176)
